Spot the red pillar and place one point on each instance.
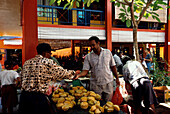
(167, 40)
(30, 34)
(108, 24)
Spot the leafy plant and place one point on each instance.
(160, 74)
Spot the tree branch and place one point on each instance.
(121, 2)
(143, 11)
(127, 2)
(132, 14)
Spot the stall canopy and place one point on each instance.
(11, 40)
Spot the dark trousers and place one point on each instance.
(119, 68)
(144, 92)
(34, 102)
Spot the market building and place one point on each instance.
(35, 21)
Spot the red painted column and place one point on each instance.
(167, 40)
(30, 32)
(108, 24)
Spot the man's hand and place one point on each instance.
(78, 72)
(75, 77)
(117, 82)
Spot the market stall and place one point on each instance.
(72, 99)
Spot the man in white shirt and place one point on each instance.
(8, 80)
(101, 63)
(134, 74)
(118, 62)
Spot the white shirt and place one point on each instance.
(100, 66)
(117, 60)
(7, 77)
(132, 71)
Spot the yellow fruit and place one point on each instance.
(84, 99)
(61, 100)
(97, 111)
(110, 109)
(93, 108)
(98, 104)
(102, 109)
(55, 99)
(98, 97)
(65, 107)
(84, 105)
(109, 104)
(59, 106)
(116, 107)
(90, 112)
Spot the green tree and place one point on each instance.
(132, 11)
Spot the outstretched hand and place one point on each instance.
(117, 82)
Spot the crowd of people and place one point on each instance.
(37, 73)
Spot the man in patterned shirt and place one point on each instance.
(101, 63)
(36, 75)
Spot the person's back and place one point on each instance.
(141, 86)
(36, 76)
(9, 94)
(8, 77)
(133, 70)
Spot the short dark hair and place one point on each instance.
(43, 47)
(94, 38)
(125, 59)
(8, 64)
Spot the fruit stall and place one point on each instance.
(78, 100)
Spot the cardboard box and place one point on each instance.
(162, 93)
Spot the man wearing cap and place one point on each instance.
(36, 75)
(1, 59)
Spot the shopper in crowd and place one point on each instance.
(9, 80)
(1, 59)
(121, 55)
(148, 59)
(36, 75)
(118, 62)
(134, 74)
(101, 63)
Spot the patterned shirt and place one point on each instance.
(100, 66)
(39, 71)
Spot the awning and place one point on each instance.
(8, 37)
(11, 40)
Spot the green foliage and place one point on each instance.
(128, 23)
(70, 3)
(160, 76)
(138, 7)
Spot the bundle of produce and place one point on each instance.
(63, 100)
(110, 107)
(96, 109)
(78, 92)
(86, 102)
